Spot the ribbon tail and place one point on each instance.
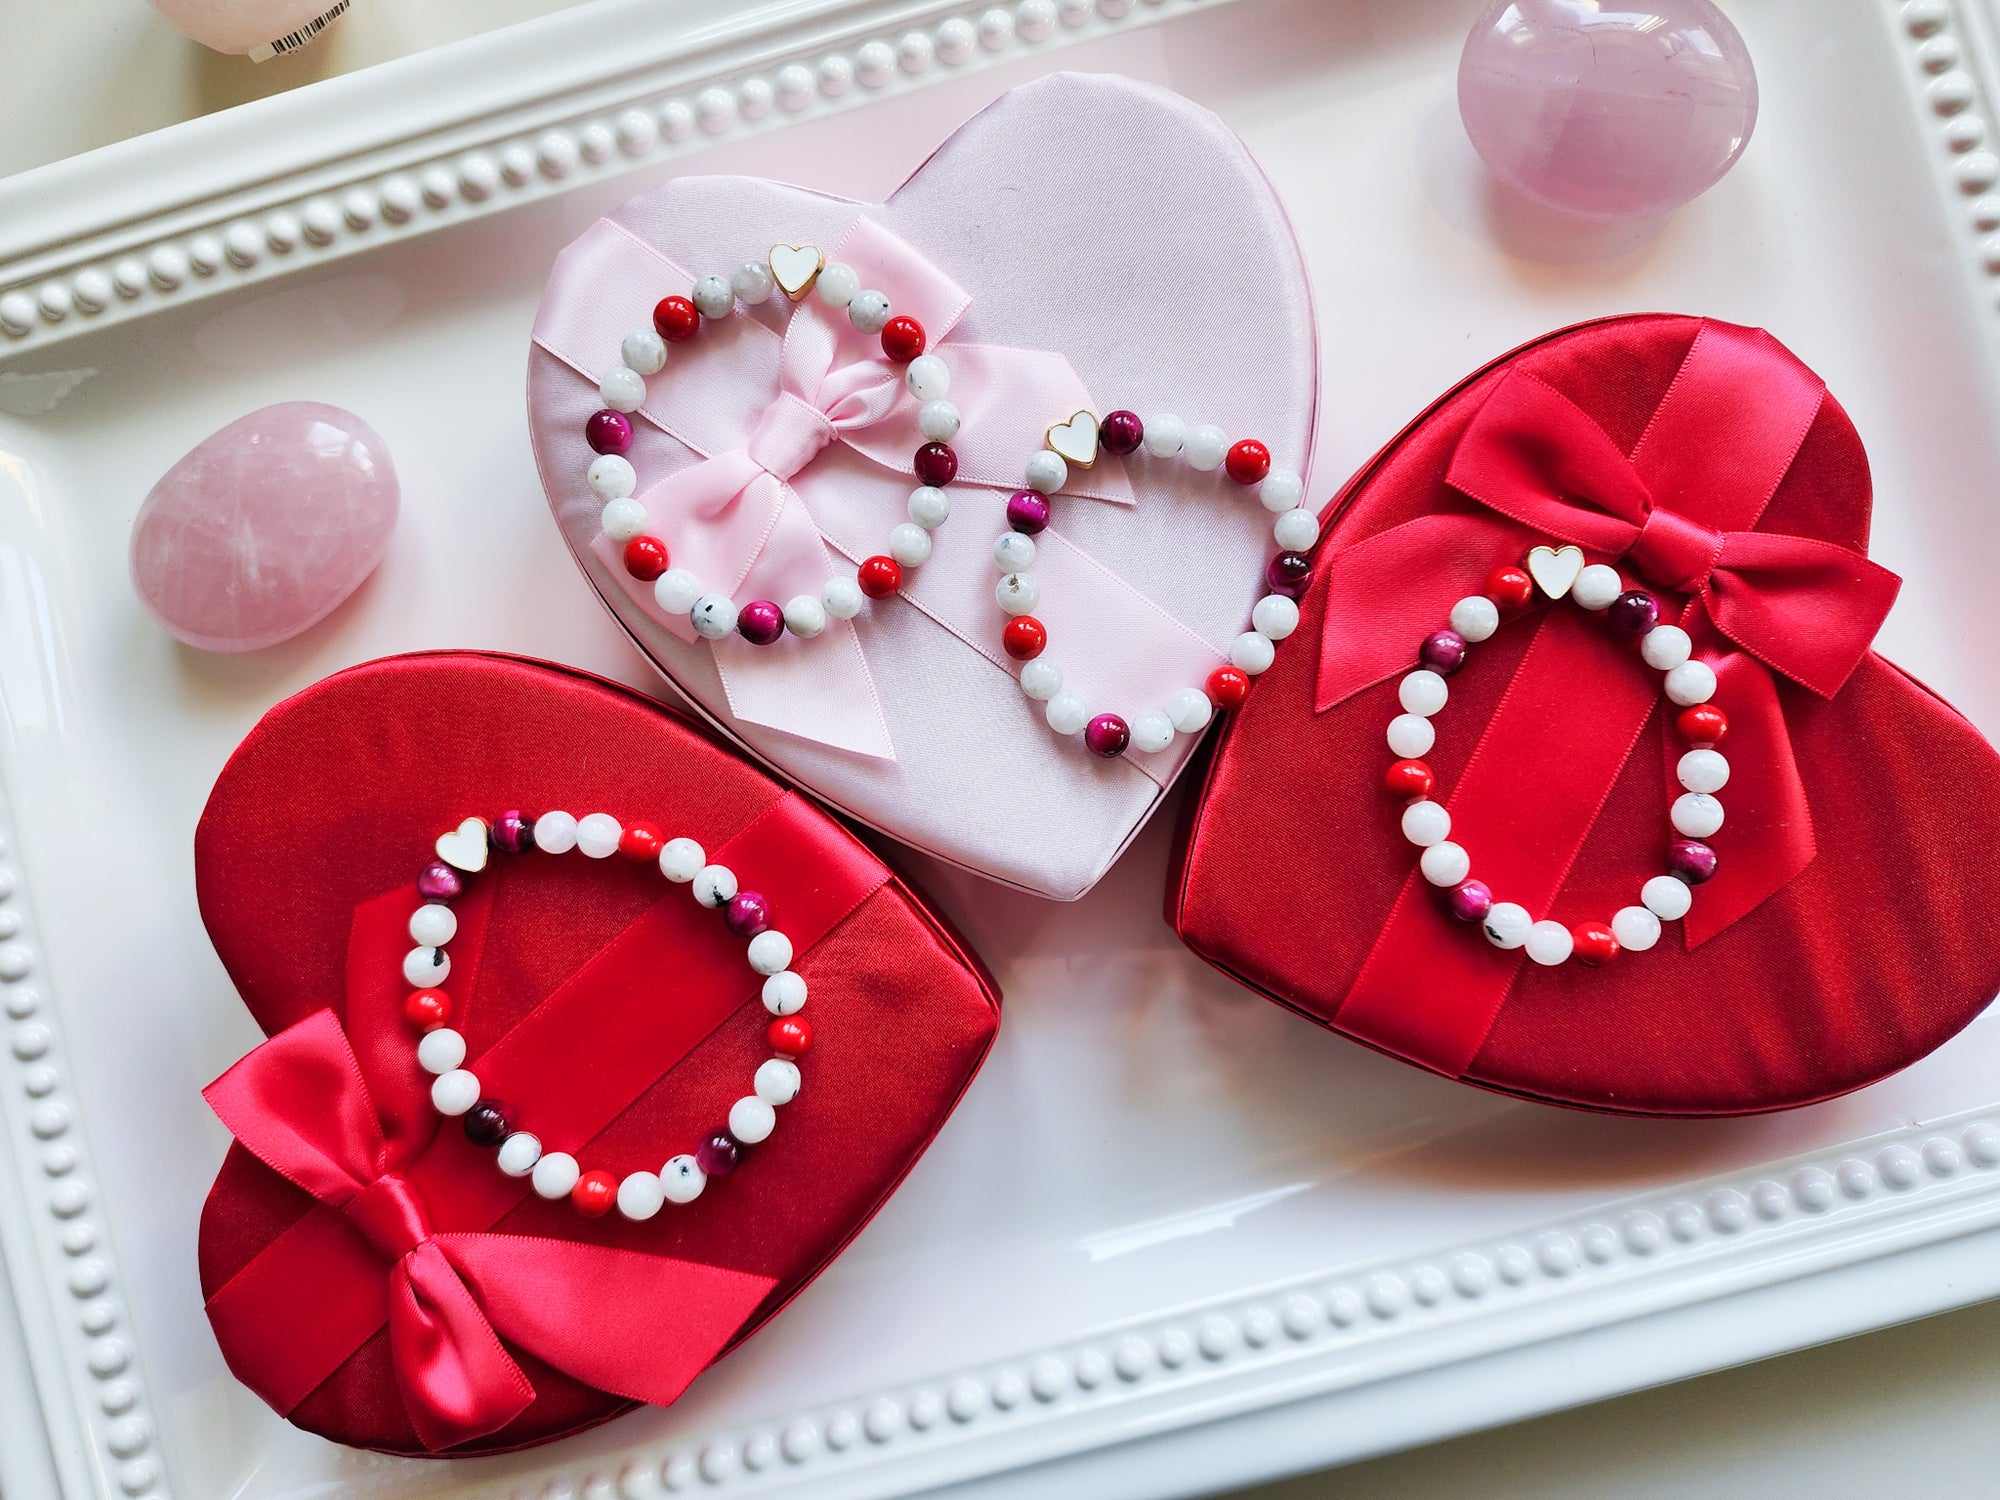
(457, 1382)
(639, 1326)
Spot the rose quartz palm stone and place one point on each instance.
(1614, 110)
(265, 527)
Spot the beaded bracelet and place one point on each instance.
(455, 1091)
(1696, 814)
(1275, 616)
(796, 271)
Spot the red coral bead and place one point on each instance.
(640, 843)
(879, 577)
(1025, 637)
(1248, 461)
(1510, 588)
(1594, 944)
(789, 1036)
(1409, 778)
(675, 319)
(594, 1194)
(427, 1009)
(1228, 687)
(645, 558)
(902, 339)
(1703, 725)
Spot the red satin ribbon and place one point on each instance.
(397, 1238)
(1680, 510)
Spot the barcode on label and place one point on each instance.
(297, 39)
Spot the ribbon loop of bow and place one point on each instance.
(1681, 510)
(301, 1105)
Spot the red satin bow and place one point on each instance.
(1680, 511)
(640, 1326)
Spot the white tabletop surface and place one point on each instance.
(1905, 1412)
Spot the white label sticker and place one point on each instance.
(292, 41)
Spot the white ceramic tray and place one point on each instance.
(1175, 1238)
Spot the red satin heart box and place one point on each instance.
(1849, 928)
(368, 1270)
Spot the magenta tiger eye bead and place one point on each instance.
(1692, 860)
(1470, 900)
(513, 832)
(438, 881)
(608, 432)
(747, 914)
(718, 1155)
(1027, 512)
(1443, 651)
(1121, 433)
(760, 622)
(935, 464)
(1107, 735)
(1635, 612)
(1288, 573)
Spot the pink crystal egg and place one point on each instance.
(265, 527)
(1609, 108)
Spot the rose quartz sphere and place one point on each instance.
(265, 527)
(1613, 110)
(240, 27)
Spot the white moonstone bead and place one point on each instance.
(752, 1120)
(1635, 928)
(805, 616)
(1665, 647)
(1067, 713)
(597, 835)
(1041, 679)
(1549, 944)
(424, 967)
(1018, 593)
(681, 860)
(842, 597)
(777, 1080)
(1190, 709)
(555, 1174)
(1667, 897)
(555, 832)
(1506, 925)
(1253, 653)
(869, 311)
(1475, 617)
(611, 477)
(1445, 864)
(714, 885)
(1296, 530)
(1047, 472)
(1690, 683)
(644, 351)
(751, 282)
(519, 1153)
(1205, 447)
(1699, 771)
(455, 1092)
(641, 1195)
(1411, 735)
(622, 520)
(1014, 552)
(441, 1050)
(1596, 587)
(1695, 815)
(1164, 435)
(433, 924)
(1281, 490)
(713, 617)
(713, 297)
(1152, 731)
(930, 507)
(770, 952)
(928, 377)
(784, 994)
(1422, 692)
(909, 543)
(1275, 616)
(1426, 822)
(838, 284)
(682, 1178)
(938, 421)
(676, 591)
(622, 389)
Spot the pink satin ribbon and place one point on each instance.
(766, 512)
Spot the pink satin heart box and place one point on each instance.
(1084, 243)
